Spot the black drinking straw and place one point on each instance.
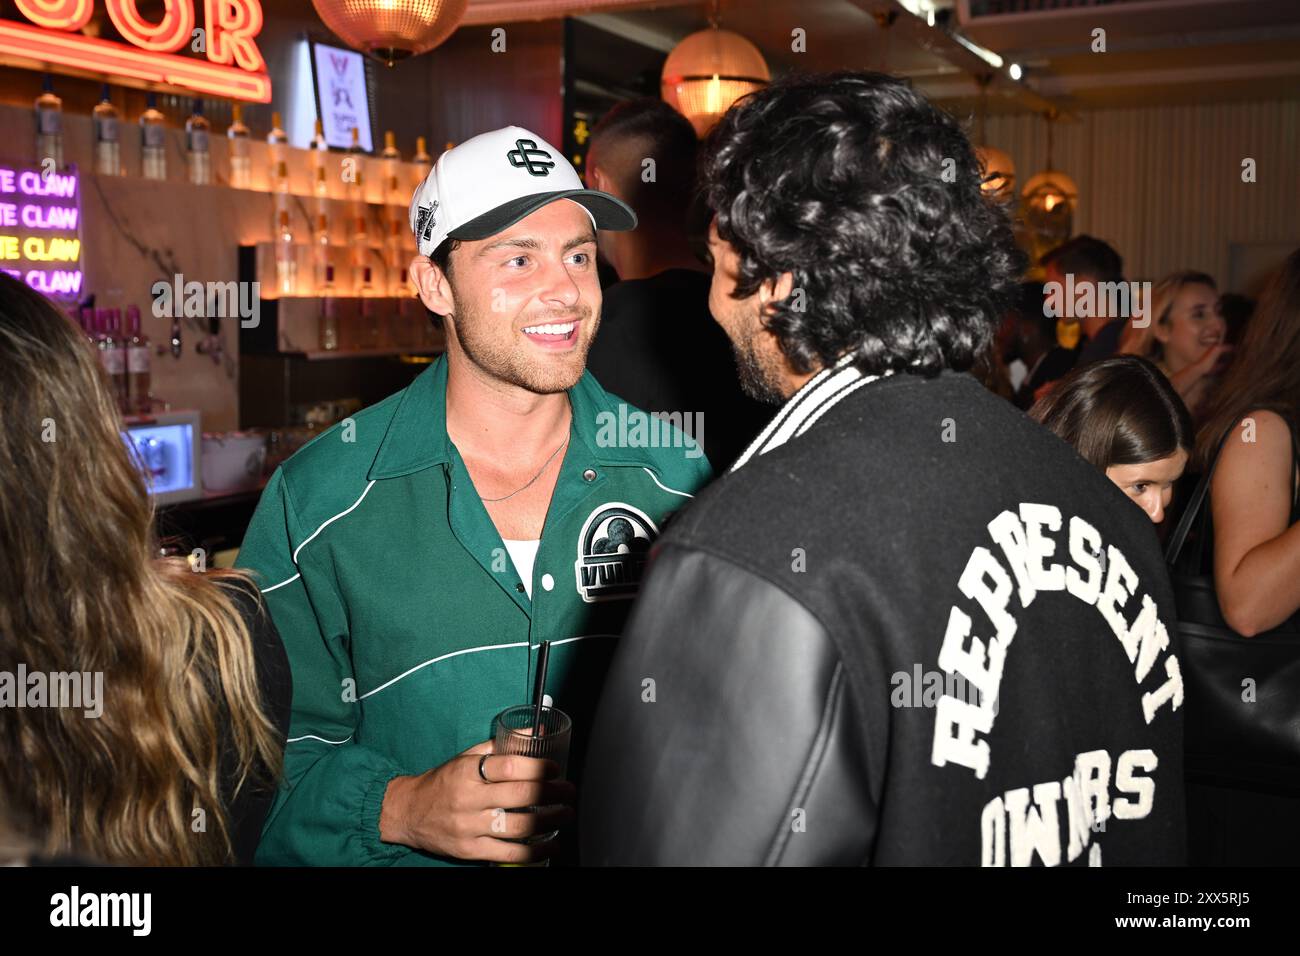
(539, 686)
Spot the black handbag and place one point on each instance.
(1230, 739)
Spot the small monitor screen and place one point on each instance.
(164, 454)
(341, 96)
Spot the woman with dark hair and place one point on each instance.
(1122, 415)
(1255, 508)
(174, 761)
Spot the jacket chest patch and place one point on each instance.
(612, 551)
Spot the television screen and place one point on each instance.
(342, 100)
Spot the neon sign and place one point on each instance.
(40, 228)
(234, 66)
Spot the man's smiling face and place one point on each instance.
(526, 302)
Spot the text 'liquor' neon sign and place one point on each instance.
(234, 66)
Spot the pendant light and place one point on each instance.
(1048, 203)
(392, 30)
(1051, 196)
(708, 71)
(997, 167)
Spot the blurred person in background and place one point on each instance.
(1123, 417)
(658, 347)
(1082, 261)
(1253, 495)
(1237, 310)
(1249, 550)
(1028, 345)
(1185, 337)
(195, 684)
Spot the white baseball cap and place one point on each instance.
(490, 182)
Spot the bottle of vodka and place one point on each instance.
(137, 363)
(286, 263)
(198, 155)
(153, 141)
(320, 165)
(241, 165)
(49, 125)
(329, 318)
(108, 146)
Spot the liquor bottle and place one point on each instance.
(329, 316)
(392, 160)
(357, 233)
(49, 125)
(108, 147)
(357, 190)
(137, 364)
(87, 322)
(153, 141)
(318, 142)
(286, 265)
(111, 356)
(241, 164)
(397, 258)
(278, 140)
(321, 252)
(422, 157)
(369, 310)
(198, 155)
(319, 150)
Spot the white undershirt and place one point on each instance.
(523, 554)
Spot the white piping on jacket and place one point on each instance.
(313, 535)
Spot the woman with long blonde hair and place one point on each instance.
(176, 762)
(1186, 337)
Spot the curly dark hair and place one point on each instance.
(870, 196)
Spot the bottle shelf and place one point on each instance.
(386, 277)
(366, 326)
(336, 201)
(342, 169)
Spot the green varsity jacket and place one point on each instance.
(406, 624)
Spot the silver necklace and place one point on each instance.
(530, 480)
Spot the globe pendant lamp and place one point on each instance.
(392, 30)
(999, 171)
(997, 167)
(1049, 200)
(708, 71)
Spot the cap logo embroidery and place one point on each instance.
(424, 220)
(528, 155)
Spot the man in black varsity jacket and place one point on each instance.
(910, 626)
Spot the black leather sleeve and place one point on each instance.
(726, 733)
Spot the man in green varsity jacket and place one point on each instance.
(414, 556)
